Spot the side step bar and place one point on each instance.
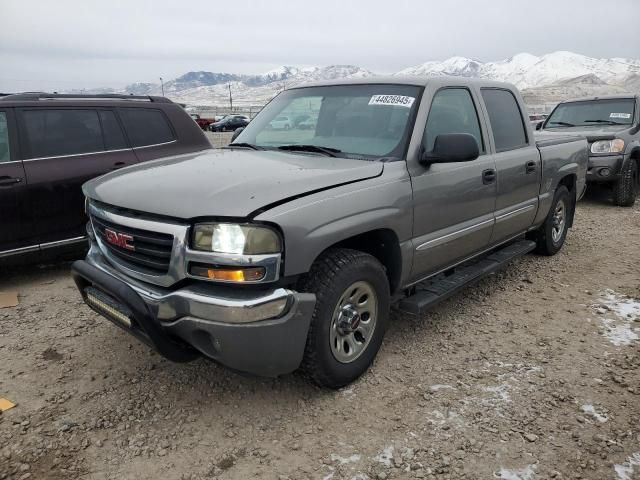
(441, 287)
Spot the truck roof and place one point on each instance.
(409, 80)
(602, 97)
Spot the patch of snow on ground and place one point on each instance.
(527, 473)
(590, 410)
(344, 460)
(619, 334)
(500, 392)
(435, 388)
(618, 314)
(626, 469)
(385, 456)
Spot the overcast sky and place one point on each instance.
(59, 44)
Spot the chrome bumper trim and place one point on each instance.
(204, 300)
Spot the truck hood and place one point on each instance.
(225, 183)
(599, 132)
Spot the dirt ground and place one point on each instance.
(532, 374)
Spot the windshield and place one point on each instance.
(356, 121)
(593, 113)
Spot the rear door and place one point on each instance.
(453, 202)
(517, 163)
(150, 133)
(14, 213)
(63, 148)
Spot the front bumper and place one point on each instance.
(259, 332)
(604, 168)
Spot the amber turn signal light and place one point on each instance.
(226, 274)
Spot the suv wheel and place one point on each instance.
(625, 189)
(552, 233)
(350, 316)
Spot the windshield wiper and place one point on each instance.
(328, 151)
(564, 124)
(608, 122)
(244, 145)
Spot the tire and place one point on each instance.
(550, 236)
(333, 356)
(626, 188)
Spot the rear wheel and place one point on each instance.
(550, 236)
(350, 317)
(626, 188)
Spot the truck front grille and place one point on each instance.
(142, 250)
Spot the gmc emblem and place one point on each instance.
(121, 240)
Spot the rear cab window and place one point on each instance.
(506, 120)
(146, 126)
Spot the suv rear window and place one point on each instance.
(52, 133)
(146, 126)
(5, 153)
(506, 119)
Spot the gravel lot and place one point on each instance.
(532, 374)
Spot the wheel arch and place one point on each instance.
(381, 243)
(570, 181)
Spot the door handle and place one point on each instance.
(530, 167)
(488, 176)
(8, 181)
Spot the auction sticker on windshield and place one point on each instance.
(400, 100)
(620, 115)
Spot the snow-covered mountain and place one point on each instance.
(543, 79)
(528, 71)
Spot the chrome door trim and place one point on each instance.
(77, 154)
(517, 211)
(42, 246)
(60, 243)
(155, 145)
(17, 251)
(453, 235)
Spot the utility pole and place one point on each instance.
(230, 98)
(162, 85)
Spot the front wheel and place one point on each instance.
(552, 233)
(625, 189)
(350, 316)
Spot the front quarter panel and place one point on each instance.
(314, 223)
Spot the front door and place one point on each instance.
(14, 213)
(517, 163)
(453, 202)
(63, 148)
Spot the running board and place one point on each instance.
(441, 287)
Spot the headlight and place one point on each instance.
(608, 146)
(236, 239)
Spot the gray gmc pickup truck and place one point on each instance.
(286, 249)
(611, 125)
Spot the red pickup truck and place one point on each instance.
(203, 123)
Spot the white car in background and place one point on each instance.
(281, 123)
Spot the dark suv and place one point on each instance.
(51, 144)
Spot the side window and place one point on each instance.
(506, 119)
(52, 133)
(113, 136)
(146, 126)
(5, 152)
(452, 111)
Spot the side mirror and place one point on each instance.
(539, 125)
(452, 147)
(236, 132)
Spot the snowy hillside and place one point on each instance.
(543, 79)
(528, 71)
